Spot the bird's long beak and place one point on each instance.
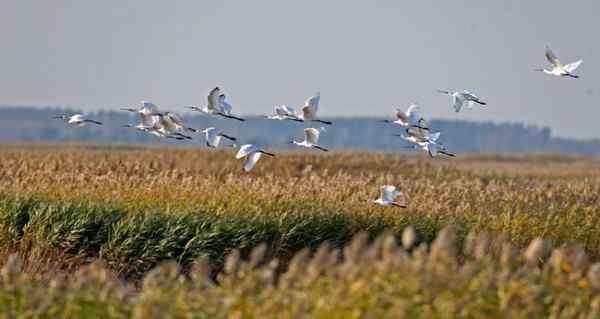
(267, 153)
(538, 70)
(443, 91)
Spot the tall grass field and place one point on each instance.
(128, 232)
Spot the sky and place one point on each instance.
(365, 57)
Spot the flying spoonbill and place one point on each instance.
(158, 129)
(168, 124)
(558, 69)
(146, 113)
(252, 154)
(417, 135)
(387, 195)
(464, 98)
(217, 105)
(213, 137)
(411, 117)
(434, 149)
(174, 121)
(284, 112)
(311, 139)
(77, 119)
(310, 109)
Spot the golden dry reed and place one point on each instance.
(128, 209)
(380, 279)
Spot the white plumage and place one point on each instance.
(410, 117)
(252, 154)
(463, 99)
(388, 194)
(284, 112)
(558, 69)
(216, 105)
(309, 110)
(77, 119)
(311, 139)
(214, 136)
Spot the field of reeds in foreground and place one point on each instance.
(143, 232)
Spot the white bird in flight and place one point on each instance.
(284, 112)
(435, 148)
(146, 113)
(388, 194)
(558, 69)
(175, 122)
(425, 140)
(158, 129)
(310, 108)
(463, 99)
(411, 117)
(311, 139)
(172, 125)
(213, 137)
(216, 105)
(418, 135)
(252, 154)
(77, 119)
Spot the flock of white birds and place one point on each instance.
(417, 133)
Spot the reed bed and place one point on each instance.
(383, 278)
(132, 209)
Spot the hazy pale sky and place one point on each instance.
(365, 57)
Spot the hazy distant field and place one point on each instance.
(134, 208)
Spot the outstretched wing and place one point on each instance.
(422, 124)
(251, 161)
(402, 116)
(245, 150)
(213, 99)
(313, 100)
(308, 112)
(157, 122)
(432, 149)
(418, 134)
(457, 102)
(176, 119)
(413, 113)
(147, 120)
(224, 105)
(468, 95)
(288, 110)
(551, 57)
(389, 192)
(572, 66)
(311, 106)
(311, 135)
(434, 136)
(149, 108)
(280, 110)
(212, 137)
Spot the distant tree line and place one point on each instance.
(35, 125)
